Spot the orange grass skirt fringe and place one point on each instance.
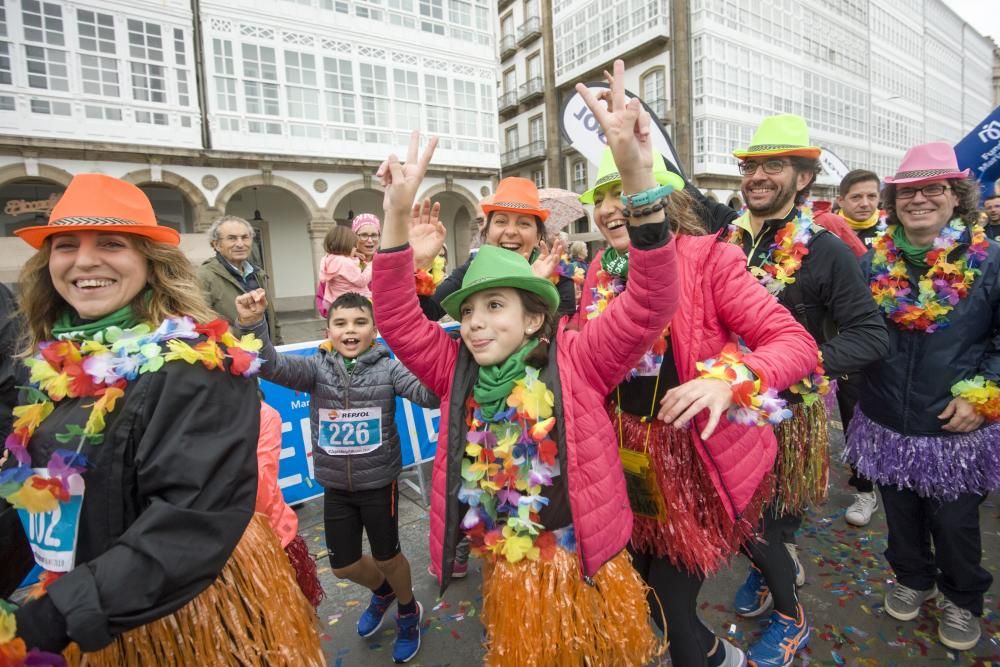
(543, 614)
(802, 467)
(254, 614)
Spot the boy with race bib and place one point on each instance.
(353, 385)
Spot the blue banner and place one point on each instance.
(980, 151)
(418, 431)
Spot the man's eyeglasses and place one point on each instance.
(932, 190)
(368, 237)
(773, 166)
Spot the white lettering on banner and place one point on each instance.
(291, 480)
(295, 405)
(306, 427)
(990, 131)
(429, 417)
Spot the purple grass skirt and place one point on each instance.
(935, 466)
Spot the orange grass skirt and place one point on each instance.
(543, 614)
(254, 614)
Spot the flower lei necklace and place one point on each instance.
(507, 462)
(939, 290)
(784, 255)
(608, 287)
(100, 368)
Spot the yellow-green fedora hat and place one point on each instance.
(786, 134)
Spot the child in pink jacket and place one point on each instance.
(341, 271)
(527, 462)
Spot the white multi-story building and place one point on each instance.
(872, 78)
(276, 110)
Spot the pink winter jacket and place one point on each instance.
(340, 273)
(590, 363)
(720, 301)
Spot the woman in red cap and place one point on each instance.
(132, 459)
(924, 428)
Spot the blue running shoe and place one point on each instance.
(407, 635)
(784, 637)
(753, 598)
(371, 618)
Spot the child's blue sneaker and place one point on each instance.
(407, 635)
(371, 618)
(784, 637)
(753, 598)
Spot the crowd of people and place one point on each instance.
(614, 430)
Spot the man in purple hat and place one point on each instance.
(924, 427)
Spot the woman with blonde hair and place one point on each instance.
(132, 459)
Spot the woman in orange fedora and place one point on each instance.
(515, 220)
(132, 458)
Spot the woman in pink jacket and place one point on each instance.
(697, 484)
(526, 463)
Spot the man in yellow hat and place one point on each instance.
(817, 278)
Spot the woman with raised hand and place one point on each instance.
(132, 458)
(527, 463)
(697, 479)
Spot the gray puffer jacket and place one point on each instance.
(376, 381)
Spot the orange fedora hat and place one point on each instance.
(95, 202)
(516, 195)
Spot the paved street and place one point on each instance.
(846, 578)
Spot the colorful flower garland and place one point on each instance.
(567, 269)
(982, 393)
(814, 385)
(939, 290)
(428, 280)
(750, 406)
(508, 462)
(608, 287)
(784, 255)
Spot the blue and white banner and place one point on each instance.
(418, 431)
(980, 151)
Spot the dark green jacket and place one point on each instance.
(221, 288)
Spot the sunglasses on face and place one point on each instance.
(772, 166)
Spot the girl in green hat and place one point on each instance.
(527, 466)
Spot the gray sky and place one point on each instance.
(983, 15)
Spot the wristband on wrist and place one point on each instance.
(647, 197)
(982, 393)
(814, 385)
(753, 403)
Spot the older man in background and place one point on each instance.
(231, 273)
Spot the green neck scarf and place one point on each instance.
(496, 382)
(614, 263)
(913, 254)
(68, 323)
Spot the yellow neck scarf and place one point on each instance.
(864, 224)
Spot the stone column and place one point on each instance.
(318, 227)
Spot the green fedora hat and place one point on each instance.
(608, 173)
(499, 267)
(785, 134)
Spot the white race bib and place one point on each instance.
(53, 535)
(350, 431)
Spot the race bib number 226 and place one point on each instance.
(350, 431)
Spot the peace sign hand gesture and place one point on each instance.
(626, 128)
(401, 182)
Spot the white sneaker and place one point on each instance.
(861, 510)
(800, 573)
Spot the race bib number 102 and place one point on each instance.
(350, 431)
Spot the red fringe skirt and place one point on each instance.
(305, 570)
(696, 533)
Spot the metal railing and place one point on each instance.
(533, 87)
(529, 30)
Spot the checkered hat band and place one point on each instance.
(922, 173)
(607, 178)
(512, 204)
(81, 220)
(772, 147)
